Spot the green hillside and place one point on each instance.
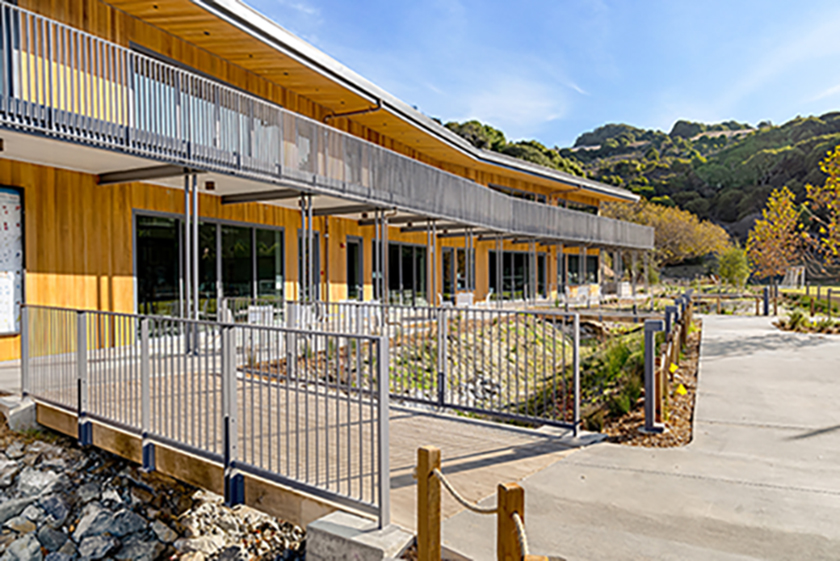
(722, 171)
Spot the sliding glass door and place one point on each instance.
(234, 261)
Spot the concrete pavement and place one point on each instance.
(760, 480)
(10, 377)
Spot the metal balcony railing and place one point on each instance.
(67, 84)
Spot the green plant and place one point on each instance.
(733, 267)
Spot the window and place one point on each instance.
(270, 277)
(251, 263)
(407, 274)
(355, 280)
(574, 269)
(466, 269)
(516, 274)
(158, 265)
(237, 265)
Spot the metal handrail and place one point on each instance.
(69, 84)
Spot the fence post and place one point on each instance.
(384, 387)
(145, 398)
(443, 348)
(766, 300)
(24, 351)
(234, 484)
(576, 373)
(510, 499)
(651, 327)
(670, 315)
(85, 428)
(428, 504)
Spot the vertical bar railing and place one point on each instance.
(85, 428)
(148, 450)
(384, 417)
(24, 347)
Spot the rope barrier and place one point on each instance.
(520, 534)
(464, 502)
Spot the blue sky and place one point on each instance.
(551, 70)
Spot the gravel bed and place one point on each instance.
(59, 502)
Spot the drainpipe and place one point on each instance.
(354, 113)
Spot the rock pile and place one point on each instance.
(59, 502)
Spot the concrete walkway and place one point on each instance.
(761, 479)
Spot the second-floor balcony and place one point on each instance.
(64, 84)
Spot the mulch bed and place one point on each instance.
(679, 424)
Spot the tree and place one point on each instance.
(774, 244)
(678, 234)
(733, 266)
(825, 206)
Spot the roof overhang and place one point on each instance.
(267, 31)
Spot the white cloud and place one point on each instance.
(517, 105)
(830, 92)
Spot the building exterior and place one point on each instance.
(161, 156)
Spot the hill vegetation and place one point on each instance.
(724, 172)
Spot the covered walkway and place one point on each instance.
(760, 480)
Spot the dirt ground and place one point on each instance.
(680, 407)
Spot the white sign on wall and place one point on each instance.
(11, 259)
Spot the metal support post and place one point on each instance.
(442, 345)
(148, 447)
(582, 266)
(766, 301)
(651, 327)
(534, 283)
(85, 427)
(576, 372)
(633, 281)
(429, 262)
(383, 389)
(499, 262)
(561, 273)
(829, 303)
(195, 257)
(24, 351)
(234, 483)
(645, 258)
(670, 316)
(186, 311)
(384, 249)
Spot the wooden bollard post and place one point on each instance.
(757, 306)
(511, 498)
(812, 307)
(718, 305)
(428, 504)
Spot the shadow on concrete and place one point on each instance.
(717, 349)
(813, 433)
(487, 458)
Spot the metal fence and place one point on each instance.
(65, 83)
(305, 408)
(509, 364)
